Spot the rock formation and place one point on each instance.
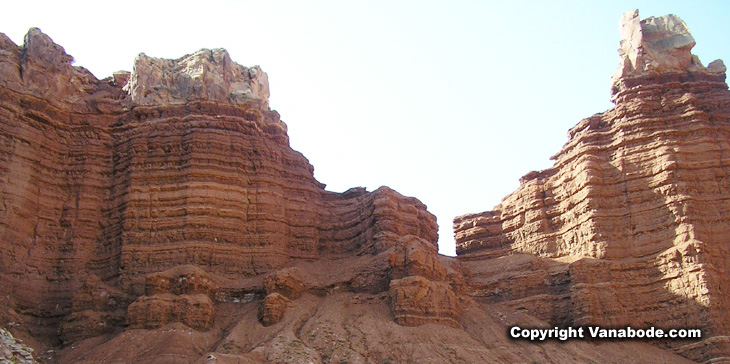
(629, 226)
(185, 164)
(160, 216)
(181, 294)
(13, 350)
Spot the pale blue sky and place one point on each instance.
(448, 101)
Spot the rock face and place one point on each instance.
(13, 350)
(629, 226)
(281, 287)
(654, 45)
(272, 309)
(160, 216)
(181, 294)
(419, 289)
(416, 300)
(97, 309)
(204, 75)
(183, 164)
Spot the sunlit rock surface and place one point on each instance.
(630, 225)
(160, 216)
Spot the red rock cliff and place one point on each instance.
(179, 162)
(630, 225)
(160, 216)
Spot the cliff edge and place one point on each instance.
(160, 216)
(629, 226)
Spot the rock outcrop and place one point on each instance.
(416, 300)
(281, 287)
(181, 294)
(629, 226)
(180, 162)
(97, 309)
(419, 290)
(272, 308)
(13, 350)
(160, 216)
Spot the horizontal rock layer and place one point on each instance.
(179, 163)
(628, 227)
(415, 300)
(160, 216)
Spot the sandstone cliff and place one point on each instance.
(180, 162)
(160, 216)
(630, 225)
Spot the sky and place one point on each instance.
(447, 101)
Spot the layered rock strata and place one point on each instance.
(180, 162)
(629, 226)
(160, 216)
(281, 287)
(420, 291)
(97, 309)
(181, 294)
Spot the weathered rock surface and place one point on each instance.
(272, 308)
(628, 227)
(13, 351)
(183, 279)
(160, 216)
(288, 282)
(204, 75)
(151, 312)
(416, 257)
(281, 288)
(184, 164)
(181, 294)
(419, 291)
(97, 309)
(416, 300)
(657, 45)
